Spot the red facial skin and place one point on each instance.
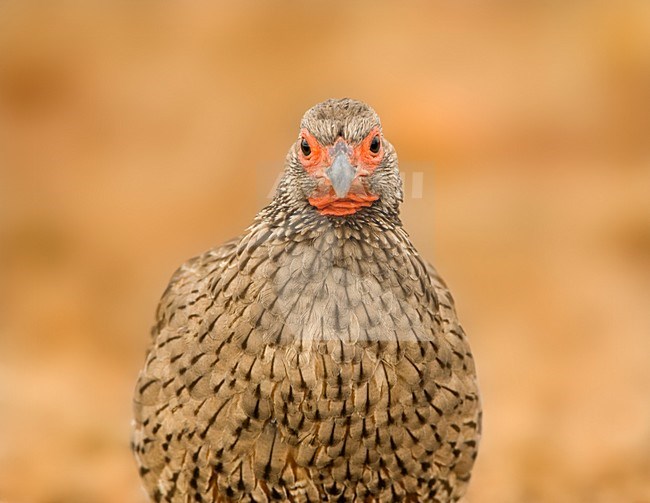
(324, 198)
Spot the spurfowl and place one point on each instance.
(317, 357)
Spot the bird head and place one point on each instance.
(341, 162)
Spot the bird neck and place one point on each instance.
(300, 218)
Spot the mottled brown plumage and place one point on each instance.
(316, 357)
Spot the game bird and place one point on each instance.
(316, 357)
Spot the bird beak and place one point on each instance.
(341, 172)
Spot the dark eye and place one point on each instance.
(375, 144)
(305, 148)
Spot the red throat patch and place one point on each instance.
(331, 205)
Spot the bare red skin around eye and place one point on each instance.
(317, 158)
(364, 156)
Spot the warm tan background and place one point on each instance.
(132, 138)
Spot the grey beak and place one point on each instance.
(341, 173)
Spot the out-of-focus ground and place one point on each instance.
(136, 135)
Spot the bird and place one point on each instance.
(316, 357)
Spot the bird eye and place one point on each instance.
(305, 148)
(375, 144)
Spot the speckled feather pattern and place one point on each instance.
(311, 359)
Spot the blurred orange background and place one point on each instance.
(136, 135)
